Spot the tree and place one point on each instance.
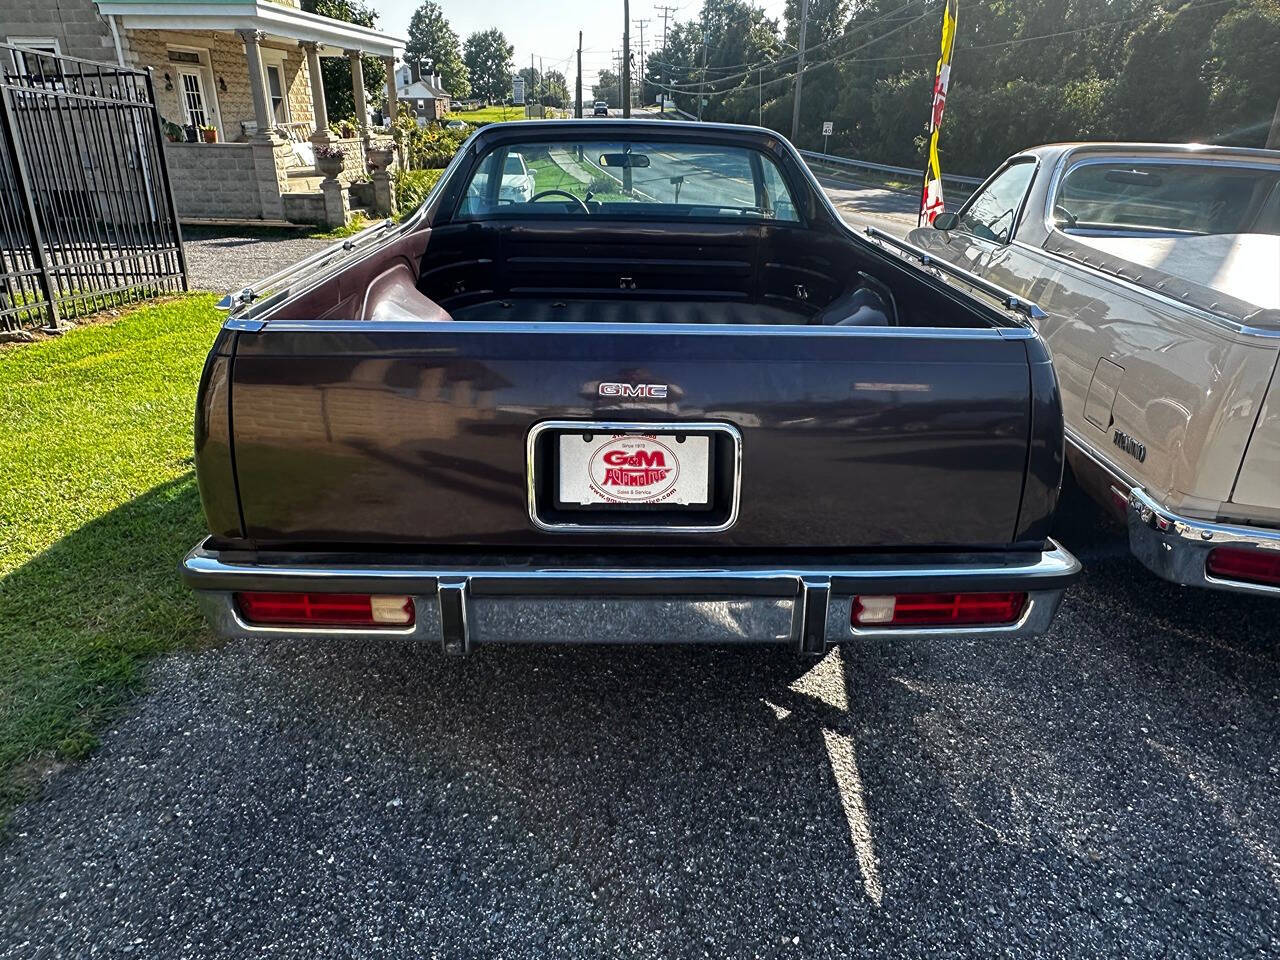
(336, 71)
(554, 90)
(608, 87)
(433, 48)
(487, 55)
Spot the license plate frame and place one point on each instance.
(658, 442)
(548, 511)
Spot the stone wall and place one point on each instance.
(214, 180)
(75, 24)
(304, 207)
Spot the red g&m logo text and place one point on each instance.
(639, 469)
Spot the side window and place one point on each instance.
(784, 206)
(990, 213)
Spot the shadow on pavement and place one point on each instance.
(1108, 789)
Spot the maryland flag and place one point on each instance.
(931, 197)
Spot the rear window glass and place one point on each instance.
(627, 179)
(1167, 199)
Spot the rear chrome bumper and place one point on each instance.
(461, 605)
(1176, 548)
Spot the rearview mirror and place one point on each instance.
(627, 160)
(946, 221)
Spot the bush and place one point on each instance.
(412, 188)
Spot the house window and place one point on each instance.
(276, 90)
(28, 62)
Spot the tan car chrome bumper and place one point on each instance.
(1177, 548)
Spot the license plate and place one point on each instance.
(633, 469)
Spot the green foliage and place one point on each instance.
(608, 87)
(550, 89)
(412, 188)
(336, 71)
(1244, 77)
(487, 55)
(433, 48)
(1024, 72)
(97, 503)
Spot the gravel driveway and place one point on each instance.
(1107, 791)
(230, 258)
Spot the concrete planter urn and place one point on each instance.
(380, 158)
(330, 163)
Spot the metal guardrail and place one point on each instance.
(884, 167)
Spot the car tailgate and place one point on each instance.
(416, 432)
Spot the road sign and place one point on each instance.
(517, 91)
(827, 128)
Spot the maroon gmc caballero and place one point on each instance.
(628, 381)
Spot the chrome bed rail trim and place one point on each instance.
(1176, 548)
(1007, 298)
(747, 604)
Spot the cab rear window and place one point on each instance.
(1127, 197)
(627, 179)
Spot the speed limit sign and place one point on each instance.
(827, 128)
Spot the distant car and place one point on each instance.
(456, 124)
(601, 109)
(517, 180)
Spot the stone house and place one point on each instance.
(427, 99)
(245, 69)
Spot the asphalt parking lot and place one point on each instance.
(1108, 790)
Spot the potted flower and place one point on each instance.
(330, 160)
(173, 132)
(209, 133)
(380, 155)
(348, 130)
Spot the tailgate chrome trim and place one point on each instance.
(632, 426)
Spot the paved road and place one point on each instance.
(1109, 790)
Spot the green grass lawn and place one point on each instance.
(97, 505)
(488, 114)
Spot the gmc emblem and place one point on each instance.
(638, 391)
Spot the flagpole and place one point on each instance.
(929, 207)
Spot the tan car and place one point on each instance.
(1157, 270)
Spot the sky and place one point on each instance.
(550, 30)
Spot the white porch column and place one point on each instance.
(357, 90)
(319, 108)
(393, 108)
(258, 83)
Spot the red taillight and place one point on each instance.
(326, 609)
(1237, 563)
(938, 609)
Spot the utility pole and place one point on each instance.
(795, 106)
(760, 96)
(702, 79)
(642, 24)
(577, 89)
(1273, 138)
(666, 70)
(533, 89)
(626, 58)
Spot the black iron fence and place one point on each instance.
(87, 218)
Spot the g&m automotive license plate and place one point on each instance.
(664, 469)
